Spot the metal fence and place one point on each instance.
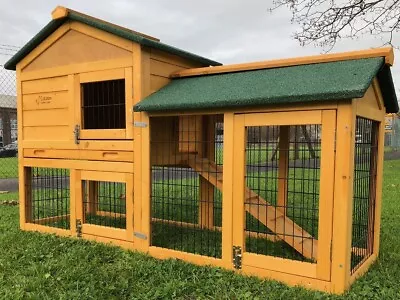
(392, 136)
(8, 125)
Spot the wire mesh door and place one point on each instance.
(105, 205)
(285, 170)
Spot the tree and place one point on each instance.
(324, 22)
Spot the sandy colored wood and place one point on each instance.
(387, 53)
(75, 48)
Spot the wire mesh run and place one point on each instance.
(103, 104)
(48, 197)
(104, 203)
(282, 193)
(186, 201)
(364, 191)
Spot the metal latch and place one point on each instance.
(237, 257)
(139, 235)
(140, 124)
(79, 228)
(77, 131)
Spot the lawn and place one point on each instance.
(39, 266)
(9, 167)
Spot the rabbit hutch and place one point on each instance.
(271, 168)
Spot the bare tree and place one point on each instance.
(324, 22)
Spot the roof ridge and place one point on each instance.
(61, 12)
(386, 52)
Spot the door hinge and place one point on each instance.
(77, 131)
(237, 257)
(79, 228)
(140, 124)
(139, 235)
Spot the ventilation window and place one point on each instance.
(103, 104)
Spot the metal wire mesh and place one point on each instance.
(8, 130)
(186, 206)
(48, 197)
(364, 191)
(104, 203)
(103, 105)
(282, 193)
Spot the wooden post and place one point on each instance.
(206, 196)
(379, 179)
(343, 197)
(92, 201)
(283, 167)
(308, 140)
(227, 192)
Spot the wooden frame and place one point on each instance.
(327, 118)
(102, 231)
(105, 134)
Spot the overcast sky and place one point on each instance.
(229, 31)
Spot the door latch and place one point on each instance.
(237, 257)
(77, 131)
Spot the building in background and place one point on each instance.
(392, 130)
(8, 119)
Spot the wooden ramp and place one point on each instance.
(273, 218)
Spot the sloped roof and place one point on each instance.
(125, 33)
(325, 81)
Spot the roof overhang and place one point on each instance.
(60, 15)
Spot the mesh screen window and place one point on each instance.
(186, 201)
(364, 191)
(104, 203)
(48, 197)
(282, 191)
(103, 104)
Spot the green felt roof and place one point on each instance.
(304, 83)
(119, 31)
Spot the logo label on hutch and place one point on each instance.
(44, 100)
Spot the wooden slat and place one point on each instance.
(47, 133)
(46, 85)
(283, 118)
(343, 194)
(45, 101)
(163, 69)
(53, 117)
(103, 176)
(283, 265)
(102, 134)
(283, 171)
(80, 165)
(102, 75)
(380, 52)
(78, 68)
(103, 231)
(83, 145)
(326, 190)
(122, 156)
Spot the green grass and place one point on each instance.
(40, 266)
(9, 167)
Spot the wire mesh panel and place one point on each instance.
(186, 202)
(8, 130)
(282, 193)
(364, 191)
(104, 203)
(103, 104)
(48, 197)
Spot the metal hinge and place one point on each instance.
(140, 124)
(237, 257)
(79, 228)
(77, 131)
(139, 235)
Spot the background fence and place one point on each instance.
(8, 121)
